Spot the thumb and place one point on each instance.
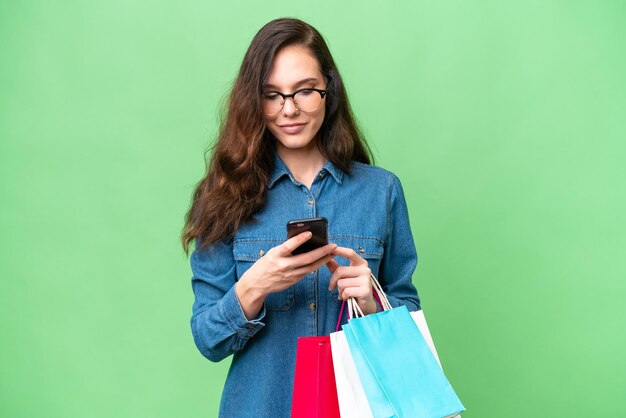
(332, 265)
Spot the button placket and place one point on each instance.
(310, 202)
(313, 193)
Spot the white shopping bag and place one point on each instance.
(420, 321)
(350, 393)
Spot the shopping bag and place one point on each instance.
(353, 401)
(420, 320)
(393, 360)
(314, 391)
(350, 394)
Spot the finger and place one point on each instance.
(351, 282)
(348, 271)
(343, 284)
(309, 268)
(360, 281)
(332, 265)
(291, 244)
(355, 292)
(339, 273)
(350, 254)
(312, 256)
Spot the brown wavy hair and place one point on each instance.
(243, 156)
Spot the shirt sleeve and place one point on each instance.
(218, 323)
(399, 256)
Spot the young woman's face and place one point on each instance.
(294, 68)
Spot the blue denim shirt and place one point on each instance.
(366, 211)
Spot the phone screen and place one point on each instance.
(317, 226)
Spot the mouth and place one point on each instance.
(292, 128)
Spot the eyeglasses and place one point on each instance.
(305, 100)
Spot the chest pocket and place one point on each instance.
(369, 248)
(246, 252)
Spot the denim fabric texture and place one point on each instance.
(366, 211)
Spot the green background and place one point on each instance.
(504, 121)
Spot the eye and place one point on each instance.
(271, 96)
(306, 92)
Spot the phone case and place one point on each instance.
(317, 226)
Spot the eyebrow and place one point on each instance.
(299, 83)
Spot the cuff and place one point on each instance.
(233, 312)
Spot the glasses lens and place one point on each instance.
(308, 100)
(272, 104)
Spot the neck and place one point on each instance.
(304, 164)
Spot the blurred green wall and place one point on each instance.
(504, 121)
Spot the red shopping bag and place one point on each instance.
(314, 390)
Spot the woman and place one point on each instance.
(288, 149)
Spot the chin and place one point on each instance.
(295, 142)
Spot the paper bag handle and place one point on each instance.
(354, 310)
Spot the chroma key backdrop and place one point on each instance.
(504, 121)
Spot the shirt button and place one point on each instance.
(261, 253)
(361, 250)
(311, 201)
(321, 175)
(312, 306)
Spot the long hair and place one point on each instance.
(235, 185)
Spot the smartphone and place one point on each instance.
(317, 226)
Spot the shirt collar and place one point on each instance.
(334, 171)
(280, 170)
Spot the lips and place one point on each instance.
(292, 128)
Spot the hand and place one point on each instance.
(278, 270)
(353, 280)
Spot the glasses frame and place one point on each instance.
(322, 93)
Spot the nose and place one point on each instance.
(289, 107)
